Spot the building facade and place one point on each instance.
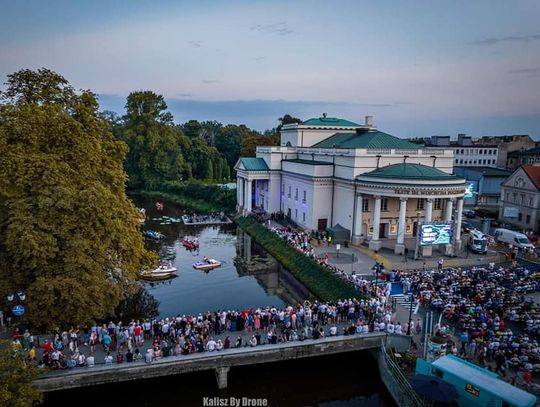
(330, 171)
(523, 157)
(507, 144)
(484, 185)
(520, 199)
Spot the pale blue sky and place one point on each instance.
(420, 67)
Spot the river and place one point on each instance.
(244, 280)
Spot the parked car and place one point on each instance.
(469, 213)
(513, 238)
(466, 227)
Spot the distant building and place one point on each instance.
(507, 144)
(523, 157)
(466, 153)
(484, 185)
(330, 172)
(520, 198)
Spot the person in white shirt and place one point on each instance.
(390, 328)
(333, 331)
(90, 360)
(253, 341)
(219, 345)
(398, 329)
(211, 345)
(382, 327)
(365, 329)
(108, 359)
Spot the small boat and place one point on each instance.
(206, 264)
(162, 272)
(153, 234)
(190, 244)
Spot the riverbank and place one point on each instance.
(315, 278)
(199, 205)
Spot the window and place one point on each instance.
(480, 151)
(461, 161)
(296, 214)
(508, 196)
(365, 205)
(303, 216)
(384, 204)
(296, 195)
(289, 191)
(483, 161)
(528, 219)
(520, 216)
(283, 189)
(530, 203)
(420, 204)
(456, 160)
(437, 203)
(304, 199)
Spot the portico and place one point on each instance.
(418, 193)
(252, 184)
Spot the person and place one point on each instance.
(90, 360)
(211, 345)
(227, 343)
(440, 263)
(238, 342)
(219, 345)
(149, 356)
(108, 359)
(119, 357)
(137, 355)
(253, 341)
(81, 360)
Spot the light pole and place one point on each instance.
(417, 248)
(18, 309)
(411, 298)
(378, 268)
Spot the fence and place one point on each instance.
(396, 383)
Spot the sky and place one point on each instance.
(421, 68)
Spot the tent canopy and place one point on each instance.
(338, 232)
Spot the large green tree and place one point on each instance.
(69, 236)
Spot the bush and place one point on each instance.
(316, 278)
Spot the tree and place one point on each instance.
(287, 119)
(69, 236)
(16, 378)
(155, 145)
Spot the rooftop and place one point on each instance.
(487, 171)
(533, 172)
(254, 164)
(410, 171)
(370, 139)
(485, 380)
(329, 122)
(531, 151)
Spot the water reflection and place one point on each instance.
(248, 277)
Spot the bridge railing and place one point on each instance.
(396, 382)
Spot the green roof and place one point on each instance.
(409, 171)
(254, 164)
(329, 122)
(310, 162)
(366, 139)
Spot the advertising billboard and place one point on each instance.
(434, 234)
(469, 191)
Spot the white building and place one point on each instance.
(466, 153)
(330, 171)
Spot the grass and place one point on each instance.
(323, 284)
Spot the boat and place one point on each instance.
(153, 234)
(162, 272)
(190, 244)
(206, 264)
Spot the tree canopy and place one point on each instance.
(69, 236)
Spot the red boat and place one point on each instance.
(190, 244)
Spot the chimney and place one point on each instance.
(369, 121)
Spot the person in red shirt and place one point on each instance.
(137, 331)
(527, 376)
(47, 346)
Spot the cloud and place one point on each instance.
(280, 28)
(211, 81)
(197, 44)
(525, 71)
(493, 41)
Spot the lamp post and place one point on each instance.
(417, 248)
(378, 268)
(411, 297)
(18, 309)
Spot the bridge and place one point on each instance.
(221, 362)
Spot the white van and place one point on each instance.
(516, 239)
(478, 241)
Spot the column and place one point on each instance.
(457, 224)
(221, 377)
(238, 194)
(449, 209)
(248, 195)
(429, 210)
(357, 227)
(400, 244)
(375, 243)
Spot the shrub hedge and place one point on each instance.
(324, 285)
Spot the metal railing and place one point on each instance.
(396, 382)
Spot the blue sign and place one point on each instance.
(469, 191)
(434, 234)
(18, 310)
